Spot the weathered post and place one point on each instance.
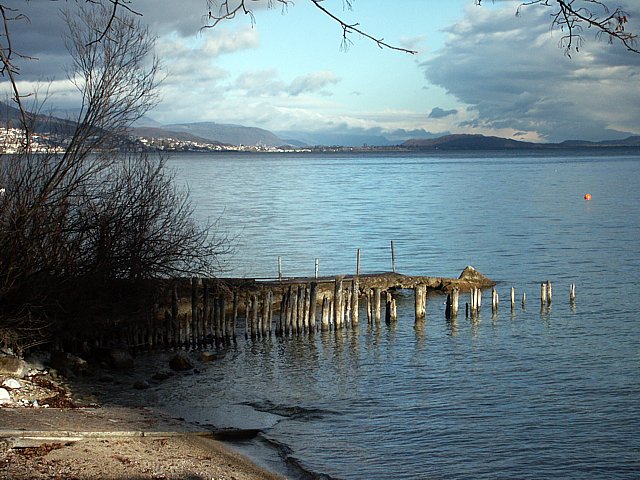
(205, 310)
(494, 300)
(524, 300)
(448, 308)
(393, 258)
(337, 303)
(194, 310)
(543, 294)
(420, 292)
(324, 326)
(513, 298)
(358, 264)
(174, 315)
(369, 306)
(270, 311)
(572, 293)
(549, 292)
(235, 313)
(391, 314)
(279, 268)
(294, 311)
(355, 303)
(347, 306)
(316, 268)
(473, 299)
(254, 316)
(307, 306)
(247, 312)
(455, 300)
(224, 320)
(376, 302)
(313, 305)
(478, 299)
(265, 313)
(287, 316)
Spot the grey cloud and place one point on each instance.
(438, 112)
(510, 71)
(312, 82)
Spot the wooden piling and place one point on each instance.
(254, 316)
(376, 304)
(294, 311)
(543, 293)
(494, 301)
(355, 302)
(265, 313)
(370, 306)
(455, 300)
(524, 299)
(420, 293)
(324, 325)
(247, 312)
(549, 292)
(194, 310)
(347, 306)
(313, 301)
(572, 293)
(513, 298)
(447, 308)
(393, 258)
(473, 298)
(338, 314)
(391, 314)
(235, 313)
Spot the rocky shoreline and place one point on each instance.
(53, 425)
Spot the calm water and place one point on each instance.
(551, 393)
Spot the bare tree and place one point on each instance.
(75, 222)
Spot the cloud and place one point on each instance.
(438, 112)
(312, 83)
(510, 72)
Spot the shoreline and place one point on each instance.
(114, 442)
(55, 429)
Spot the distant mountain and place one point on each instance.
(481, 142)
(301, 138)
(467, 142)
(161, 132)
(228, 134)
(11, 117)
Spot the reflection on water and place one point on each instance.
(533, 392)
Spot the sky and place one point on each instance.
(481, 70)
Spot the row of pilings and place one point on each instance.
(204, 313)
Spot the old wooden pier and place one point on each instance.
(209, 312)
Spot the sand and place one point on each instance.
(112, 443)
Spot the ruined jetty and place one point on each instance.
(203, 312)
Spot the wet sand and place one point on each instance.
(113, 443)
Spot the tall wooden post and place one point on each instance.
(358, 264)
(391, 313)
(393, 258)
(254, 316)
(376, 303)
(355, 303)
(235, 314)
(572, 293)
(543, 294)
(513, 298)
(455, 300)
(549, 292)
(324, 326)
(313, 305)
(337, 303)
(420, 292)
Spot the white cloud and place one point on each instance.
(510, 71)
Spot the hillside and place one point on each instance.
(228, 134)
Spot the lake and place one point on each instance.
(530, 393)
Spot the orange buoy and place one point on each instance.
(587, 196)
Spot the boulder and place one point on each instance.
(12, 384)
(67, 363)
(208, 357)
(4, 396)
(11, 366)
(120, 359)
(180, 362)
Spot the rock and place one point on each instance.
(120, 359)
(208, 357)
(11, 366)
(141, 385)
(38, 361)
(4, 396)
(180, 362)
(161, 376)
(12, 384)
(471, 275)
(66, 362)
